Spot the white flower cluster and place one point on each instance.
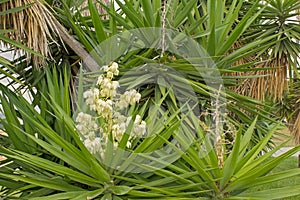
(139, 126)
(121, 123)
(107, 85)
(128, 98)
(87, 126)
(108, 106)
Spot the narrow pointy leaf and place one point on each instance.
(80, 99)
(89, 194)
(65, 88)
(219, 12)
(275, 177)
(194, 26)
(247, 138)
(211, 45)
(231, 162)
(157, 12)
(230, 18)
(117, 17)
(19, 45)
(112, 21)
(78, 29)
(16, 9)
(4, 71)
(276, 193)
(97, 22)
(246, 163)
(62, 195)
(67, 157)
(51, 166)
(211, 4)
(240, 28)
(148, 10)
(193, 158)
(130, 12)
(10, 123)
(249, 49)
(179, 19)
(266, 167)
(42, 181)
(4, 61)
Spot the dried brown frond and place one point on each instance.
(32, 27)
(270, 82)
(295, 129)
(273, 82)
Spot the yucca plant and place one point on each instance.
(97, 30)
(199, 24)
(216, 34)
(54, 163)
(281, 57)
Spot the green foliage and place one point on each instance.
(215, 34)
(47, 159)
(290, 163)
(60, 167)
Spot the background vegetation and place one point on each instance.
(254, 45)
